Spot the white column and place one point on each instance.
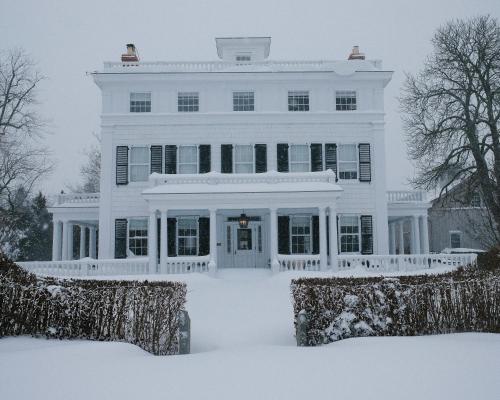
(83, 238)
(381, 226)
(392, 238)
(401, 236)
(107, 185)
(64, 251)
(70, 241)
(273, 237)
(323, 259)
(92, 242)
(152, 242)
(333, 239)
(425, 235)
(212, 265)
(56, 241)
(164, 241)
(416, 235)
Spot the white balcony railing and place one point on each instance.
(218, 66)
(299, 262)
(405, 196)
(92, 198)
(214, 178)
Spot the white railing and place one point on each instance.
(215, 178)
(78, 198)
(299, 262)
(405, 196)
(404, 262)
(182, 265)
(217, 66)
(295, 262)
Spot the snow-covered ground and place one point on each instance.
(243, 348)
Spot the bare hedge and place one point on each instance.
(142, 313)
(331, 309)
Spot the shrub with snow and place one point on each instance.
(142, 313)
(466, 300)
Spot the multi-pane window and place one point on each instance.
(298, 101)
(455, 240)
(140, 102)
(138, 237)
(475, 200)
(299, 158)
(348, 161)
(139, 164)
(243, 101)
(243, 58)
(349, 234)
(345, 100)
(188, 160)
(187, 236)
(300, 227)
(243, 159)
(188, 102)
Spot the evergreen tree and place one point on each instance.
(36, 243)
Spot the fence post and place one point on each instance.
(184, 332)
(301, 330)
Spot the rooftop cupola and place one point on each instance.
(243, 49)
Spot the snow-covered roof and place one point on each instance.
(340, 67)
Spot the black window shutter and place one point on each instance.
(158, 238)
(282, 154)
(226, 158)
(121, 165)
(338, 241)
(204, 236)
(327, 235)
(331, 157)
(260, 158)
(315, 234)
(365, 168)
(205, 158)
(172, 236)
(171, 159)
(156, 159)
(283, 234)
(120, 238)
(366, 234)
(316, 157)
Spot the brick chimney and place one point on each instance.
(355, 54)
(131, 54)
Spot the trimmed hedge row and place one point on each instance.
(331, 309)
(142, 313)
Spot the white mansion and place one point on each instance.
(242, 162)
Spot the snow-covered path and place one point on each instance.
(240, 308)
(243, 348)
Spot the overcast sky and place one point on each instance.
(69, 38)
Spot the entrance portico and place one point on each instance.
(264, 198)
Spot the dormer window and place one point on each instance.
(243, 58)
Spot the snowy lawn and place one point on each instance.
(243, 348)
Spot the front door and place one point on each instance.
(243, 246)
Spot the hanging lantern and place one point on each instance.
(243, 220)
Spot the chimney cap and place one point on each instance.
(355, 54)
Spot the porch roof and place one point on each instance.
(268, 182)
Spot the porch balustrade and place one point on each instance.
(78, 198)
(296, 262)
(405, 196)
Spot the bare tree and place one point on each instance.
(18, 81)
(23, 158)
(90, 171)
(452, 108)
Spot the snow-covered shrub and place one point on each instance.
(142, 313)
(466, 300)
